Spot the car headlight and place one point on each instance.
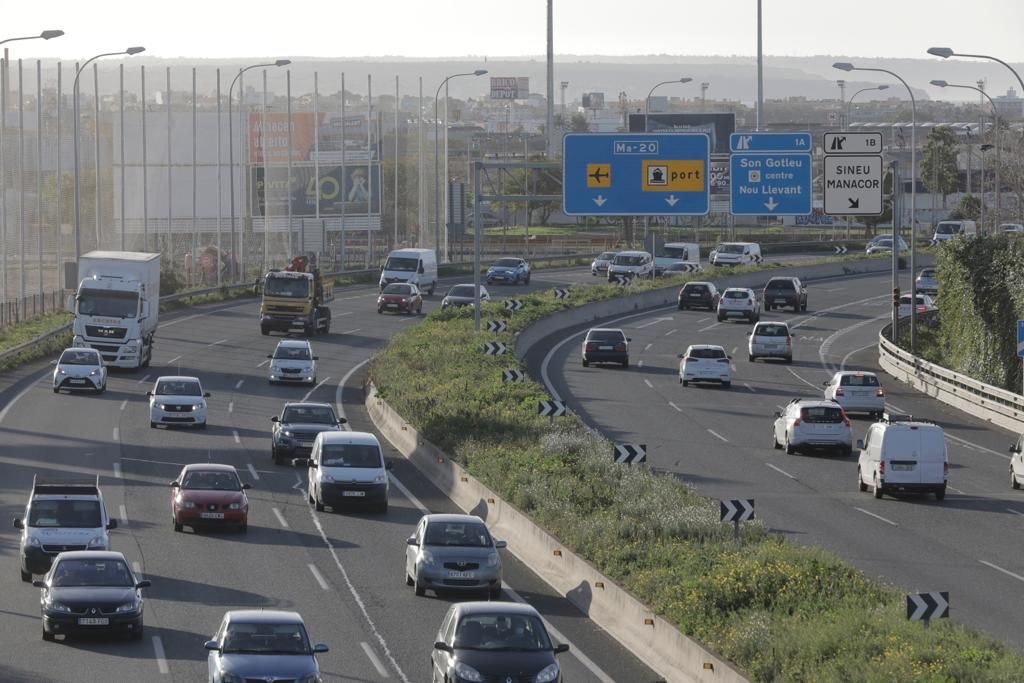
(469, 673)
(188, 504)
(128, 607)
(380, 479)
(132, 346)
(326, 477)
(287, 432)
(58, 607)
(93, 373)
(34, 542)
(97, 542)
(235, 506)
(161, 406)
(226, 677)
(63, 371)
(492, 560)
(547, 674)
(426, 557)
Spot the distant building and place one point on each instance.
(1009, 106)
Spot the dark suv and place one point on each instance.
(783, 292)
(606, 345)
(698, 295)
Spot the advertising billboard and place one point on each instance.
(350, 190)
(719, 126)
(271, 145)
(510, 87)
(593, 100)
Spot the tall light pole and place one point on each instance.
(947, 52)
(647, 112)
(842, 99)
(760, 71)
(849, 103)
(78, 190)
(704, 94)
(437, 154)
(995, 124)
(231, 157)
(846, 66)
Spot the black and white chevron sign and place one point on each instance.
(841, 249)
(630, 453)
(561, 293)
(925, 606)
(759, 259)
(690, 268)
(494, 349)
(512, 375)
(932, 242)
(621, 279)
(513, 304)
(551, 408)
(736, 510)
(496, 326)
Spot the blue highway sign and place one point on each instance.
(1020, 338)
(631, 174)
(770, 142)
(770, 173)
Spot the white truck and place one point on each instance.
(117, 306)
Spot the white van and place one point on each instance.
(904, 455)
(415, 266)
(736, 254)
(947, 230)
(638, 264)
(676, 252)
(347, 467)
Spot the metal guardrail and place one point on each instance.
(992, 404)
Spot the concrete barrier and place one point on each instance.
(655, 641)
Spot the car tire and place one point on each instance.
(775, 441)
(243, 527)
(56, 390)
(47, 636)
(876, 489)
(26, 576)
(177, 527)
(586, 363)
(788, 360)
(721, 318)
(685, 383)
(1013, 484)
(682, 307)
(494, 593)
(152, 425)
(317, 504)
(264, 331)
(408, 580)
(940, 494)
(804, 306)
(751, 357)
(380, 310)
(767, 308)
(726, 385)
(527, 278)
(790, 448)
(383, 507)
(625, 364)
(845, 451)
(139, 633)
(861, 486)
(201, 425)
(418, 588)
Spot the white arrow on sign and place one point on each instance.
(599, 200)
(925, 606)
(771, 204)
(671, 199)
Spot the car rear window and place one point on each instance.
(771, 331)
(781, 284)
(859, 381)
(606, 336)
(691, 288)
(736, 294)
(821, 414)
(707, 353)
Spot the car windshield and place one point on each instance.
(821, 414)
(947, 228)
(695, 289)
(859, 381)
(785, 285)
(292, 287)
(464, 290)
(401, 263)
(309, 415)
(517, 632)
(79, 358)
(292, 353)
(927, 273)
(177, 387)
(622, 260)
(706, 353)
(771, 331)
(676, 252)
(73, 572)
(108, 303)
(397, 289)
(730, 248)
(606, 256)
(73, 514)
(506, 263)
(265, 639)
(465, 534)
(615, 336)
(350, 455)
(200, 480)
(736, 294)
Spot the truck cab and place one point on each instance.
(293, 300)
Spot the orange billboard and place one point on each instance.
(268, 136)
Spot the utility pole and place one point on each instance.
(704, 95)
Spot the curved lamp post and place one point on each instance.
(947, 52)
(849, 103)
(647, 101)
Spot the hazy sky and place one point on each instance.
(445, 28)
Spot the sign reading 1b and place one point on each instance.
(635, 174)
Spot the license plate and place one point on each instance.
(305, 444)
(780, 301)
(76, 381)
(354, 494)
(93, 621)
(211, 515)
(605, 348)
(902, 468)
(391, 305)
(460, 575)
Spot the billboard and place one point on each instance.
(593, 100)
(270, 145)
(510, 87)
(349, 189)
(719, 126)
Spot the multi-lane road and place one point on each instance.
(720, 440)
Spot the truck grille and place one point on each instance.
(283, 309)
(104, 332)
(105, 348)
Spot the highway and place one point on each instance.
(342, 572)
(720, 441)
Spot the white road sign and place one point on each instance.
(853, 143)
(853, 185)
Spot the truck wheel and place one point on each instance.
(264, 331)
(26, 576)
(861, 486)
(430, 292)
(877, 488)
(940, 494)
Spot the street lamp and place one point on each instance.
(45, 35)
(947, 52)
(437, 172)
(995, 123)
(849, 104)
(78, 190)
(231, 158)
(846, 66)
(647, 102)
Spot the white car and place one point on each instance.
(808, 424)
(600, 262)
(631, 264)
(770, 340)
(739, 302)
(901, 454)
(1017, 463)
(856, 392)
(293, 361)
(705, 363)
(1011, 228)
(924, 303)
(178, 400)
(80, 368)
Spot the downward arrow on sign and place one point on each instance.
(771, 203)
(671, 199)
(599, 200)
(854, 203)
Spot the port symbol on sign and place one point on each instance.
(657, 175)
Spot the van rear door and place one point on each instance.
(901, 447)
(932, 455)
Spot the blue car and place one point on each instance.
(263, 645)
(511, 271)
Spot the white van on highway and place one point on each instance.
(736, 254)
(414, 266)
(947, 230)
(903, 455)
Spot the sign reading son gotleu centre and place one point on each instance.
(770, 173)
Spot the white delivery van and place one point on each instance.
(736, 254)
(347, 467)
(676, 252)
(903, 455)
(947, 230)
(415, 266)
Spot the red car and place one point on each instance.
(206, 494)
(400, 296)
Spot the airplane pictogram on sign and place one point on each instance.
(599, 175)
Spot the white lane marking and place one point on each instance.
(117, 434)
(231, 407)
(1000, 569)
(3, 413)
(640, 364)
(338, 407)
(310, 392)
(715, 434)
(826, 346)
(670, 332)
(372, 656)
(143, 379)
(955, 490)
(703, 320)
(752, 389)
(124, 404)
(280, 518)
(117, 470)
(408, 494)
(338, 315)
(1016, 512)
(709, 327)
(573, 649)
(161, 656)
(253, 472)
(238, 384)
(234, 435)
(675, 406)
(219, 341)
(655, 321)
(807, 382)
(263, 363)
(648, 346)
(846, 358)
(733, 352)
(878, 517)
(355, 595)
(171, 361)
(123, 514)
(648, 383)
(318, 576)
(352, 331)
(137, 570)
(781, 471)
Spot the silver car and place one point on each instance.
(453, 553)
(80, 368)
(262, 645)
(856, 392)
(293, 361)
(600, 262)
(927, 281)
(464, 295)
(811, 424)
(770, 340)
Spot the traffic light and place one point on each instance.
(896, 297)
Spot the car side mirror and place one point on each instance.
(112, 524)
(824, 384)
(679, 355)
(500, 544)
(145, 583)
(561, 647)
(212, 645)
(316, 357)
(411, 541)
(1013, 449)
(778, 414)
(149, 394)
(39, 584)
(342, 421)
(175, 484)
(270, 355)
(443, 646)
(18, 524)
(206, 395)
(420, 271)
(320, 648)
(246, 486)
(275, 419)
(860, 443)
(303, 462)
(629, 339)
(70, 304)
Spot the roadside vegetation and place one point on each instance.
(779, 611)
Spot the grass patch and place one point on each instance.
(780, 611)
(19, 333)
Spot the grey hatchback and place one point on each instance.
(606, 345)
(262, 645)
(453, 553)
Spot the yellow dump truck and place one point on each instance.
(295, 301)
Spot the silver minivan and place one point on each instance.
(347, 468)
(903, 455)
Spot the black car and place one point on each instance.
(786, 292)
(295, 430)
(606, 345)
(91, 591)
(698, 295)
(494, 641)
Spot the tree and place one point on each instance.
(578, 123)
(969, 208)
(939, 171)
(871, 223)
